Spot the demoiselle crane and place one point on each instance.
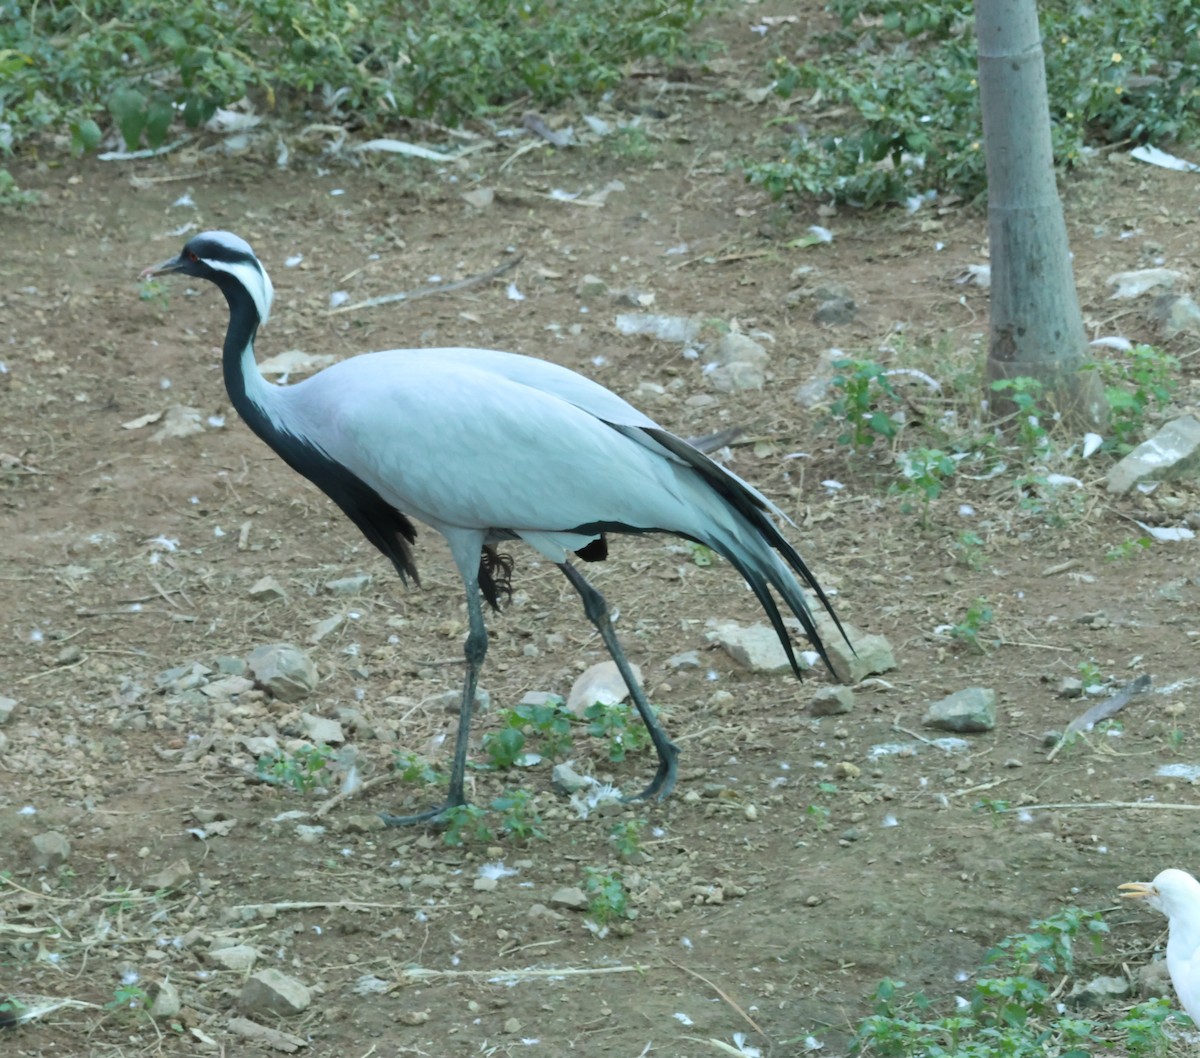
(1177, 895)
(486, 446)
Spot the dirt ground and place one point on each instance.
(775, 888)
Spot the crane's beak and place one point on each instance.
(166, 268)
(1137, 890)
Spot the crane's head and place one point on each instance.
(222, 258)
(1174, 893)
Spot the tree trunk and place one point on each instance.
(1036, 326)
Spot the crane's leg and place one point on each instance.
(596, 609)
(475, 650)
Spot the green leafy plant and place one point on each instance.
(619, 726)
(926, 471)
(1127, 548)
(517, 816)
(549, 722)
(11, 194)
(413, 768)
(1009, 1012)
(129, 999)
(626, 838)
(901, 79)
(1030, 419)
(300, 770)
(968, 549)
(972, 625)
(1143, 382)
(863, 389)
(145, 67)
(465, 823)
(608, 897)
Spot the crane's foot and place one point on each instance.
(664, 779)
(432, 815)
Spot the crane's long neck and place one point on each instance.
(251, 394)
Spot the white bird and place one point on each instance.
(1177, 895)
(486, 446)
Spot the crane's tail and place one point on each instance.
(741, 530)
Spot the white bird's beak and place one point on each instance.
(1137, 890)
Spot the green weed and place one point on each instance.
(619, 726)
(609, 899)
(926, 471)
(148, 67)
(626, 838)
(972, 625)
(413, 768)
(1134, 387)
(1127, 548)
(517, 816)
(902, 79)
(465, 823)
(864, 393)
(300, 770)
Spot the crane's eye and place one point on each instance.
(193, 256)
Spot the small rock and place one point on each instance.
(1153, 979)
(591, 286)
(321, 729)
(870, 654)
(633, 298)
(270, 991)
(7, 705)
(229, 665)
(354, 585)
(240, 957)
(542, 911)
(451, 701)
(756, 647)
(512, 1026)
(413, 1017)
(736, 377)
(68, 655)
(679, 329)
(1099, 992)
(50, 850)
(323, 628)
(486, 884)
(689, 659)
(1070, 687)
(971, 709)
(567, 780)
(267, 589)
(364, 823)
(734, 348)
(836, 311)
(1172, 453)
(1179, 314)
(846, 770)
(832, 701)
(165, 1001)
(168, 878)
(226, 688)
(818, 388)
(284, 670)
(601, 683)
(479, 197)
(1135, 284)
(751, 813)
(571, 897)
